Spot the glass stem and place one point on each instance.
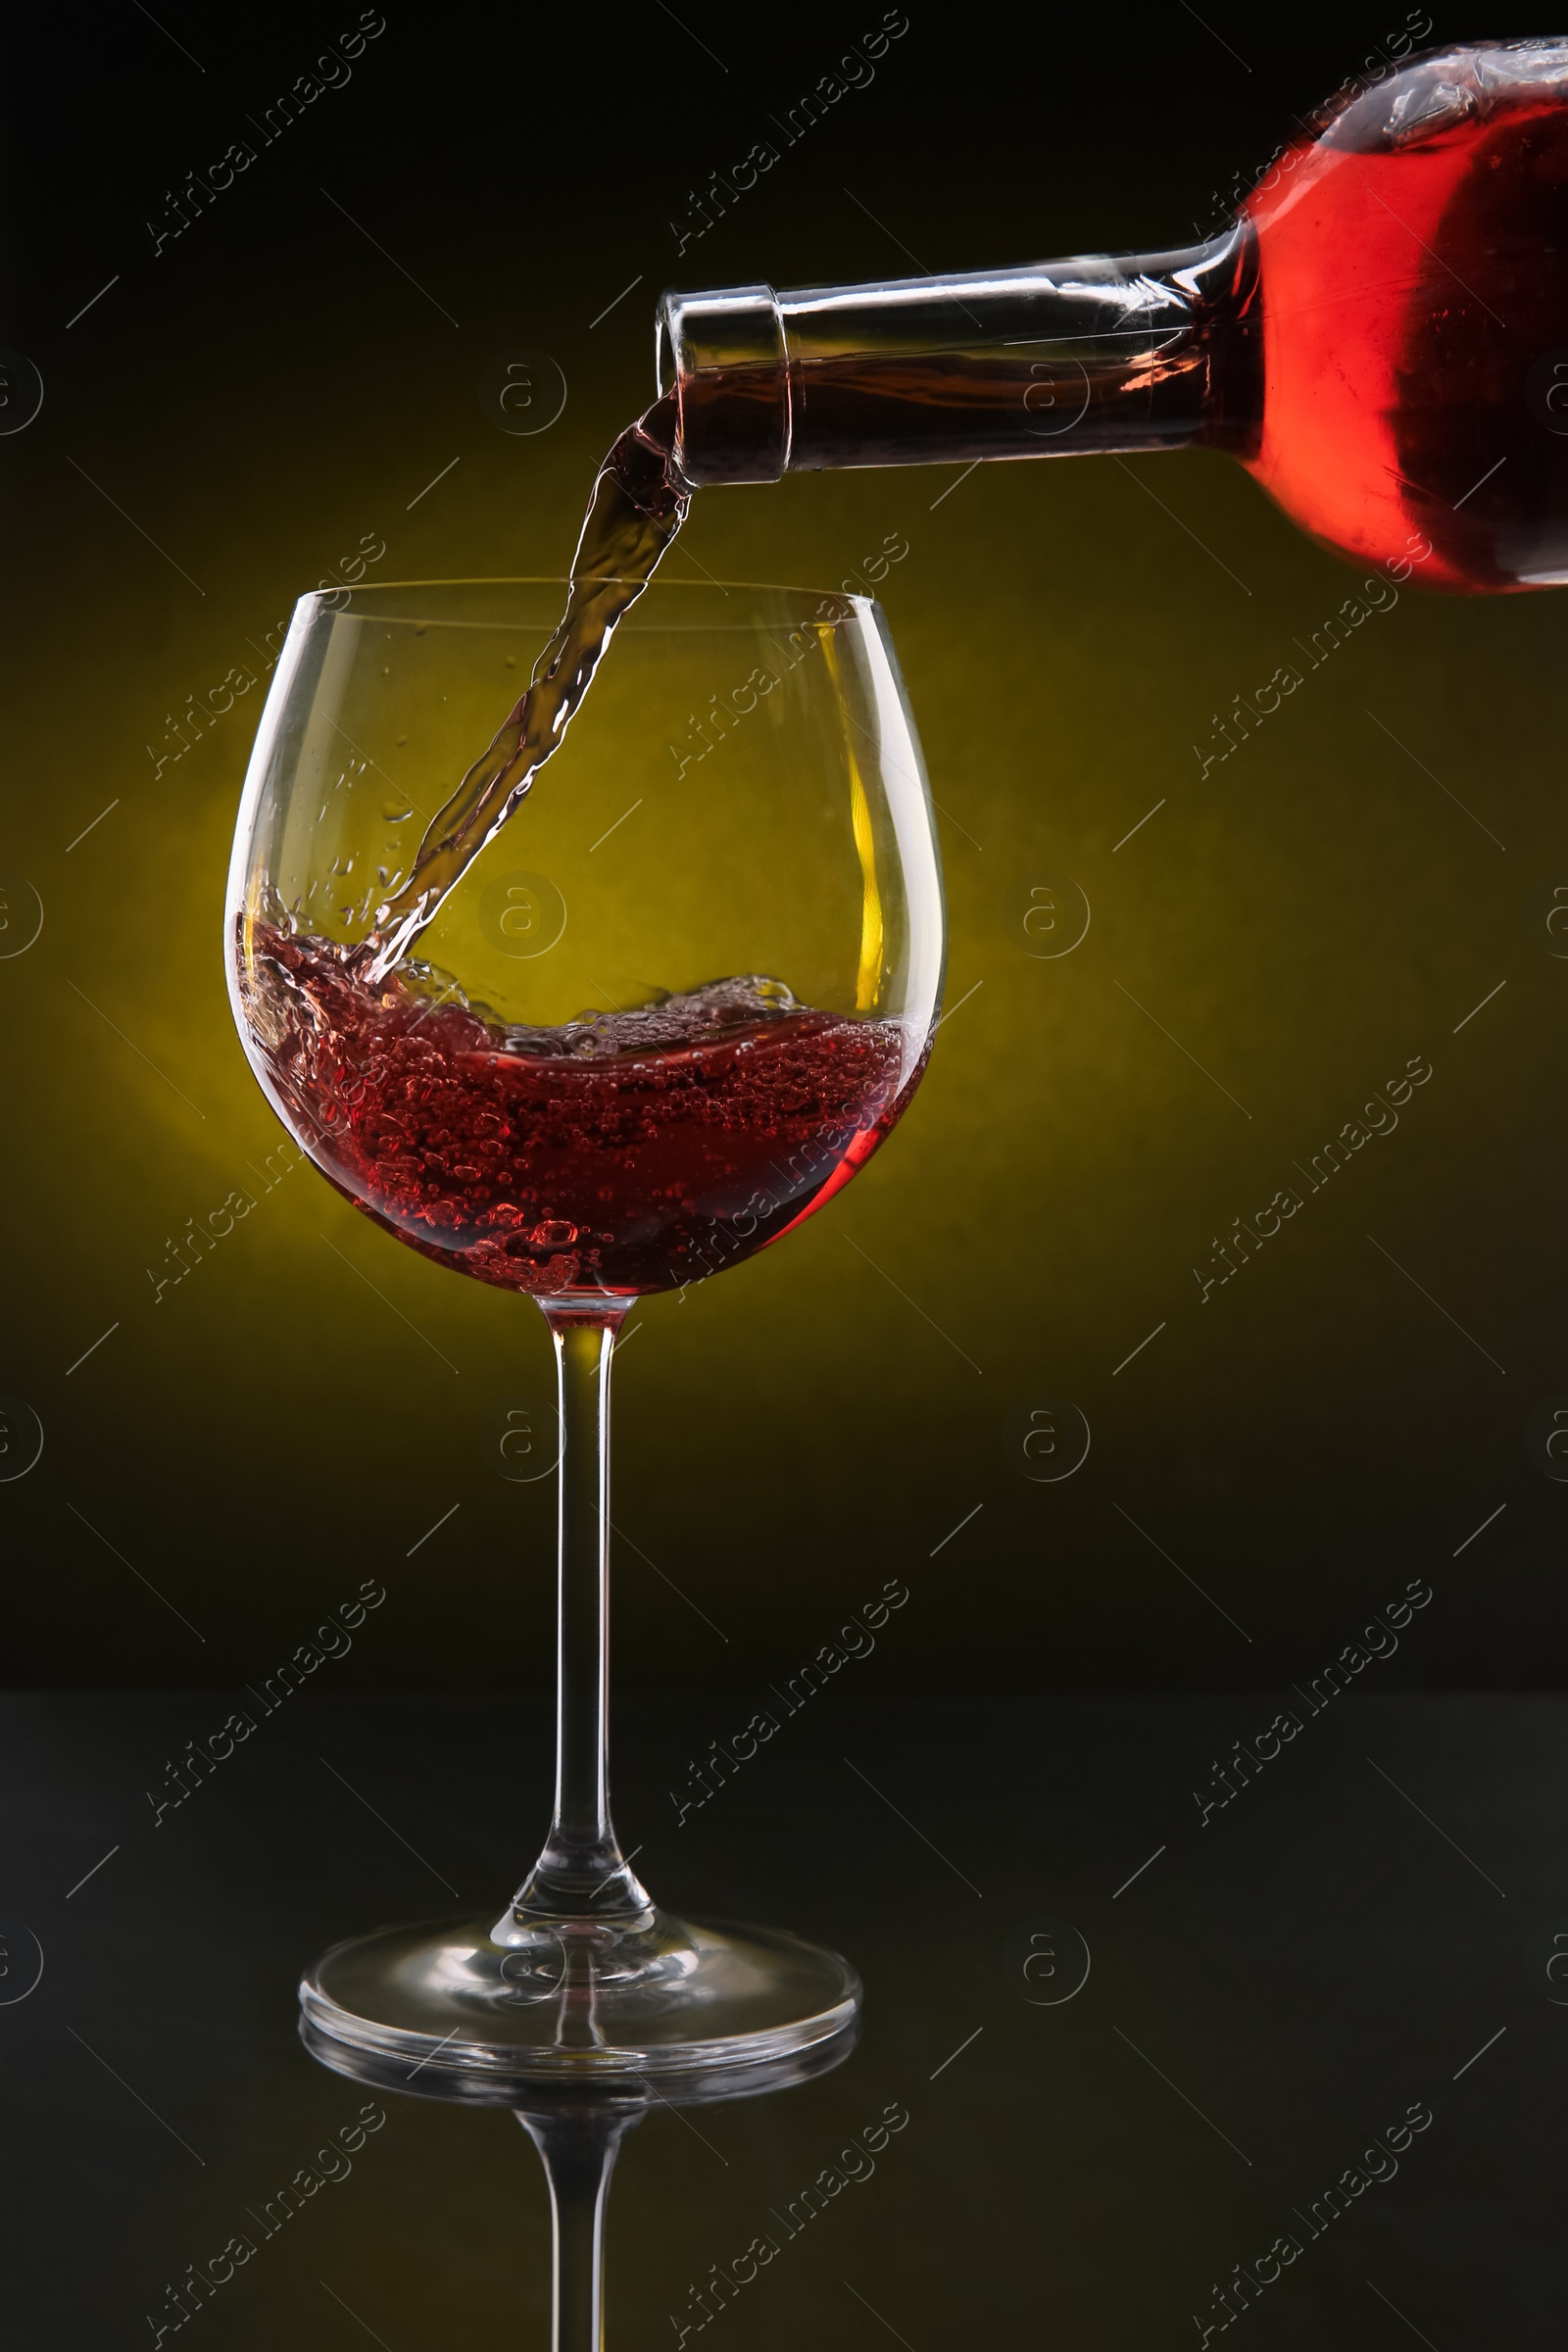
(581, 1874)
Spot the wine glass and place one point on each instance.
(674, 1004)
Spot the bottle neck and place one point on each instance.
(1107, 353)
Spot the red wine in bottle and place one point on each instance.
(619, 1154)
(1381, 337)
(1412, 297)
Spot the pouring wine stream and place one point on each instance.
(639, 503)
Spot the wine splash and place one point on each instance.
(639, 503)
(618, 1153)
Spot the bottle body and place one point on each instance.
(1381, 339)
(1413, 268)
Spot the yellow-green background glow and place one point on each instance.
(1273, 944)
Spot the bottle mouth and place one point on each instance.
(722, 354)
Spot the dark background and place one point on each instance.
(279, 380)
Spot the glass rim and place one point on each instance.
(333, 596)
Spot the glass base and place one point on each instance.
(549, 2001)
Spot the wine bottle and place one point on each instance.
(1380, 337)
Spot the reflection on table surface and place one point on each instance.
(578, 2130)
(1129, 2071)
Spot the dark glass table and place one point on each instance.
(1129, 2069)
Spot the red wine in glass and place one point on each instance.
(620, 1152)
